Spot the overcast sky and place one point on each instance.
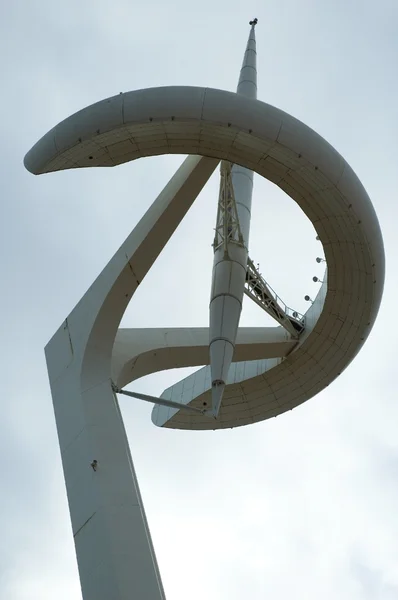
(303, 506)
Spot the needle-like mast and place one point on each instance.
(231, 247)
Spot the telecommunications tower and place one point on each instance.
(251, 374)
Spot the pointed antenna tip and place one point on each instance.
(253, 23)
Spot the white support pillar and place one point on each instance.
(113, 543)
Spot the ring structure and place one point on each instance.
(260, 137)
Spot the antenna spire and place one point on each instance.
(247, 85)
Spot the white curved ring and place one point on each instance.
(223, 125)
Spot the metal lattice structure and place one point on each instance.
(227, 225)
(262, 294)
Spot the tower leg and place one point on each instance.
(113, 543)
